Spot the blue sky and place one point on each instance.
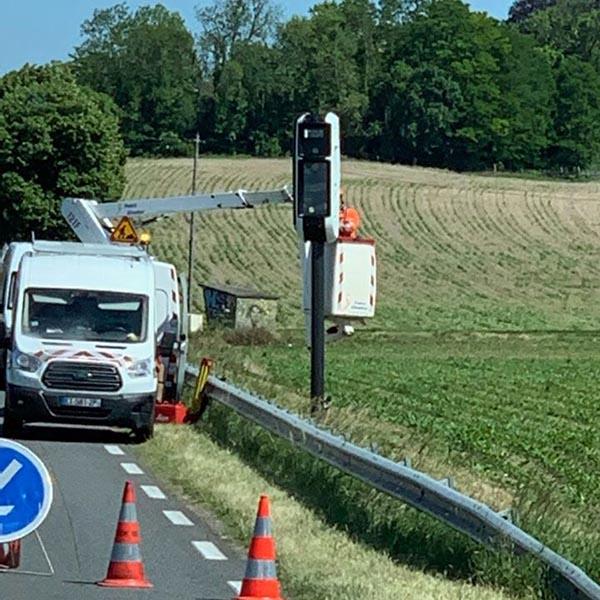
(37, 31)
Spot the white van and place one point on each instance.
(83, 345)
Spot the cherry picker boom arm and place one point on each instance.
(91, 220)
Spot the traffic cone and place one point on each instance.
(126, 568)
(261, 580)
(10, 554)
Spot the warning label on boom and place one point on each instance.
(125, 232)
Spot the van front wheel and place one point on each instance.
(144, 433)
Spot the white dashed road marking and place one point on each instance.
(132, 469)
(236, 586)
(209, 551)
(177, 517)
(153, 491)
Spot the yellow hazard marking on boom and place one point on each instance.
(125, 232)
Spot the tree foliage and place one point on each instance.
(428, 83)
(523, 9)
(424, 82)
(527, 104)
(568, 28)
(331, 62)
(147, 63)
(576, 138)
(57, 139)
(445, 97)
(226, 23)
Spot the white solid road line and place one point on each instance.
(177, 517)
(209, 551)
(132, 469)
(236, 586)
(153, 491)
(114, 449)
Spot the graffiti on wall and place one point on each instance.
(219, 305)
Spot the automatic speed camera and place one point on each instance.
(317, 177)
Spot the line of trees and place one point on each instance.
(423, 82)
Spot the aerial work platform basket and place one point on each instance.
(350, 278)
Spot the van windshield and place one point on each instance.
(84, 315)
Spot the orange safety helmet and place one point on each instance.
(349, 223)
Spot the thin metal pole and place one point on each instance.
(192, 229)
(317, 326)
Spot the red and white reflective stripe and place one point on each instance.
(85, 356)
(59, 353)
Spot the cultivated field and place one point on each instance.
(483, 359)
(455, 252)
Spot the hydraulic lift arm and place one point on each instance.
(92, 221)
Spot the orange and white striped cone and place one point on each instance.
(10, 554)
(126, 569)
(261, 580)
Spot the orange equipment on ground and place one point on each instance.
(260, 581)
(170, 412)
(177, 412)
(126, 569)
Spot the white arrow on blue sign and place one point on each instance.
(25, 491)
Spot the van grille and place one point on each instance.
(63, 375)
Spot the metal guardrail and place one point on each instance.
(413, 487)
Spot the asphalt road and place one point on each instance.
(70, 551)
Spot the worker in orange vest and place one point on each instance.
(349, 223)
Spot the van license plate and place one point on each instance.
(81, 402)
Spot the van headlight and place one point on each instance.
(141, 368)
(25, 362)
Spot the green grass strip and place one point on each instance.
(316, 561)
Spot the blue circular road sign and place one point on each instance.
(25, 491)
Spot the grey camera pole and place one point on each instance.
(317, 326)
(192, 229)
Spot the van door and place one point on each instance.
(162, 317)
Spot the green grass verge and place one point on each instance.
(492, 411)
(316, 561)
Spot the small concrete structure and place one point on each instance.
(240, 308)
